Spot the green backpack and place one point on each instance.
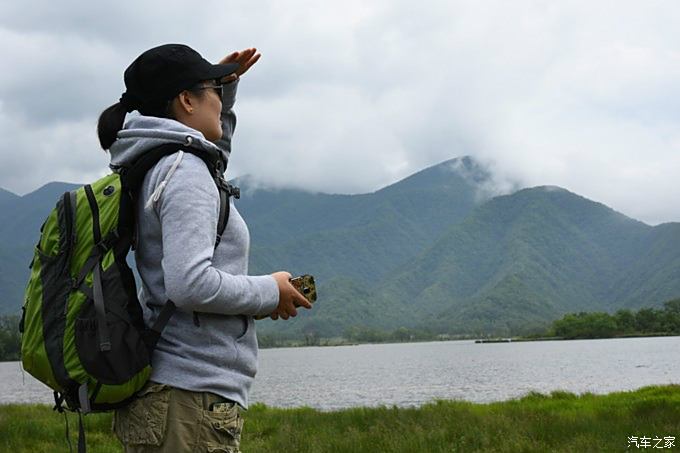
(83, 333)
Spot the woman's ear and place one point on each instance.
(186, 102)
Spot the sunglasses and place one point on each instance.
(218, 87)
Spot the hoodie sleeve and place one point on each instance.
(188, 213)
(228, 117)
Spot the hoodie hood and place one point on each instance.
(141, 133)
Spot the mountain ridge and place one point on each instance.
(535, 255)
(438, 250)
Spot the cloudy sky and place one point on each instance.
(350, 96)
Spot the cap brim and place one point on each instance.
(217, 71)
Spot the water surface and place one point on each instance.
(410, 374)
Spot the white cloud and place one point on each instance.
(66, 151)
(350, 96)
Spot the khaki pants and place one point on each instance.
(168, 419)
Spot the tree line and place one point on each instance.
(10, 338)
(352, 335)
(646, 321)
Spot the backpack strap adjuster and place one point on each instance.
(107, 243)
(102, 247)
(230, 190)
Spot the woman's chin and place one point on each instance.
(214, 136)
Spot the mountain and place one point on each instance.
(654, 270)
(26, 213)
(19, 232)
(531, 255)
(515, 262)
(7, 196)
(362, 237)
(436, 251)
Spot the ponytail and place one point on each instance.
(110, 122)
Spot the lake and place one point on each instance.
(410, 374)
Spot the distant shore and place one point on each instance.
(339, 341)
(523, 339)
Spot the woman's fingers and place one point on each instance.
(298, 299)
(239, 56)
(301, 301)
(246, 54)
(250, 62)
(245, 58)
(289, 297)
(290, 306)
(230, 58)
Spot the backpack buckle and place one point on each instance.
(102, 247)
(231, 190)
(107, 243)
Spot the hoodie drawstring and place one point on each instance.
(156, 195)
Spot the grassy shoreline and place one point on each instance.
(559, 422)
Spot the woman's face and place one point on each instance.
(202, 109)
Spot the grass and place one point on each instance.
(559, 422)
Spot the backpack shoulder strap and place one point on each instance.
(226, 190)
(133, 176)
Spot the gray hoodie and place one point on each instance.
(177, 215)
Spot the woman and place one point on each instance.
(201, 373)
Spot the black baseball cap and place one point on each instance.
(161, 73)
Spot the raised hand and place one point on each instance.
(245, 58)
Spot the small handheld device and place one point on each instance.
(305, 286)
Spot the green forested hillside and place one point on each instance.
(523, 257)
(362, 237)
(431, 252)
(653, 272)
(513, 264)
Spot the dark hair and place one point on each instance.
(111, 120)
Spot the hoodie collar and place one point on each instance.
(141, 133)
